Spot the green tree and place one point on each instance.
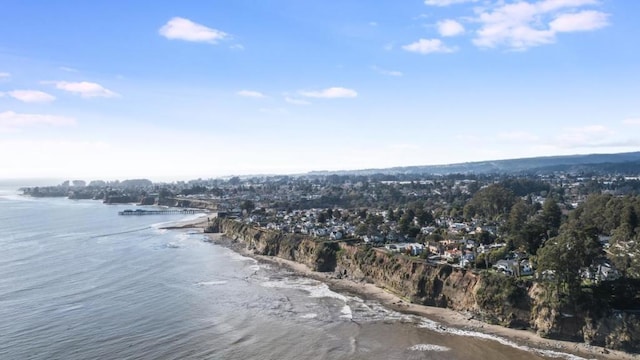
(624, 249)
(551, 216)
(322, 218)
(517, 217)
(574, 248)
(490, 202)
(247, 206)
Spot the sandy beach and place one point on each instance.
(462, 323)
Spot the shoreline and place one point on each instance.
(458, 321)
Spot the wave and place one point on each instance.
(429, 347)
(316, 289)
(441, 329)
(208, 283)
(346, 313)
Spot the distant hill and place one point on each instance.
(609, 163)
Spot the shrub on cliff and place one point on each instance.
(497, 292)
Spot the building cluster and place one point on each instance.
(421, 216)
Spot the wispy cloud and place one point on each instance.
(11, 121)
(295, 101)
(429, 46)
(446, 2)
(84, 88)
(31, 96)
(522, 25)
(250, 94)
(633, 122)
(449, 28)
(582, 21)
(386, 72)
(331, 93)
(180, 28)
(586, 136)
(68, 69)
(274, 111)
(4, 75)
(518, 136)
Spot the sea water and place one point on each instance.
(77, 281)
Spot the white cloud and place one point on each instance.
(552, 5)
(68, 69)
(184, 29)
(386, 72)
(446, 2)
(331, 93)
(295, 101)
(428, 46)
(450, 28)
(11, 121)
(4, 75)
(85, 89)
(31, 96)
(276, 111)
(518, 136)
(238, 47)
(635, 121)
(521, 25)
(585, 136)
(582, 21)
(251, 94)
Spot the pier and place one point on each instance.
(160, 212)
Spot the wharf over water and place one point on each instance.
(160, 212)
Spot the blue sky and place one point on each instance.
(190, 89)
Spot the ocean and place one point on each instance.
(77, 281)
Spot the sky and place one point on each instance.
(197, 89)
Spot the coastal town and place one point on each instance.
(472, 221)
(510, 249)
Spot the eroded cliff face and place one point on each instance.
(491, 297)
(413, 279)
(317, 255)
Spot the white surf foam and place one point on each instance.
(254, 267)
(309, 316)
(439, 328)
(429, 347)
(346, 312)
(70, 308)
(315, 288)
(234, 256)
(207, 283)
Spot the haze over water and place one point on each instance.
(77, 281)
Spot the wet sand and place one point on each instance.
(445, 316)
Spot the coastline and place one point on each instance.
(460, 323)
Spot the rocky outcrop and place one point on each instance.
(493, 298)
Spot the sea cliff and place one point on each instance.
(493, 298)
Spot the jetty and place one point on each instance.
(160, 212)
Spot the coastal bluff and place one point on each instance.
(493, 298)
